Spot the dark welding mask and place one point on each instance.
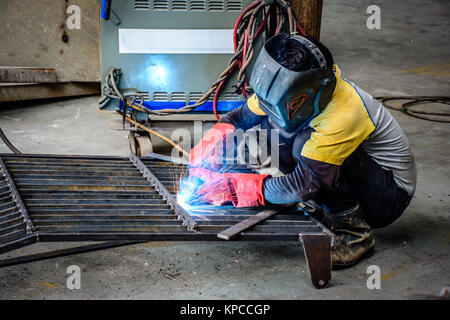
(291, 99)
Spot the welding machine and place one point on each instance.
(165, 57)
(170, 51)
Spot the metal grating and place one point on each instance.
(97, 198)
(160, 96)
(178, 97)
(290, 223)
(231, 96)
(184, 97)
(216, 5)
(189, 5)
(66, 195)
(98, 195)
(234, 6)
(160, 5)
(144, 95)
(179, 5)
(141, 4)
(194, 96)
(15, 222)
(197, 5)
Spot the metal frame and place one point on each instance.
(161, 189)
(98, 198)
(16, 197)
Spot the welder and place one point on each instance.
(340, 149)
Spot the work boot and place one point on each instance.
(353, 238)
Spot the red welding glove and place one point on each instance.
(247, 189)
(241, 189)
(205, 153)
(215, 189)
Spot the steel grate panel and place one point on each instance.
(289, 221)
(94, 198)
(15, 224)
(115, 198)
(65, 195)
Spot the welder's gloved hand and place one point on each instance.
(204, 154)
(214, 189)
(241, 189)
(247, 189)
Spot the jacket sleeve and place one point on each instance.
(308, 177)
(246, 116)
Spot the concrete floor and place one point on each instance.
(409, 55)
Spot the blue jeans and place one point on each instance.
(363, 180)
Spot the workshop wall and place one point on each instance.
(44, 34)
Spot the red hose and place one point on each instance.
(239, 63)
(261, 26)
(300, 29)
(216, 94)
(236, 25)
(238, 21)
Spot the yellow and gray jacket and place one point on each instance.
(352, 119)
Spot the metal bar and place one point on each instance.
(80, 196)
(166, 195)
(247, 223)
(324, 229)
(65, 211)
(16, 197)
(120, 223)
(84, 202)
(44, 172)
(161, 236)
(68, 183)
(265, 228)
(114, 188)
(166, 158)
(102, 228)
(19, 242)
(227, 221)
(63, 252)
(120, 217)
(58, 156)
(67, 160)
(87, 193)
(68, 166)
(62, 176)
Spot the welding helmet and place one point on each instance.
(291, 99)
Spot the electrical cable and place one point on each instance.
(416, 100)
(8, 143)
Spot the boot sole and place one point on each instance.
(367, 254)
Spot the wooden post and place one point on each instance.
(309, 15)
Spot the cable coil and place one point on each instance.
(406, 107)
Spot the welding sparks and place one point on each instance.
(191, 200)
(203, 193)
